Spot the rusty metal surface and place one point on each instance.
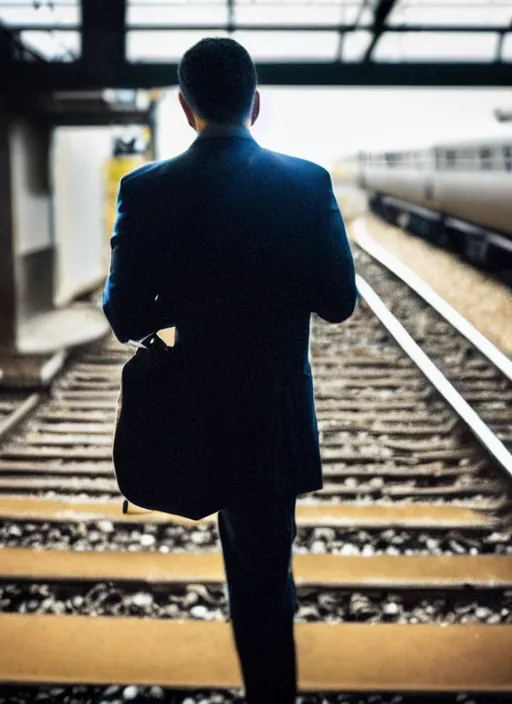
(409, 516)
(346, 657)
(380, 571)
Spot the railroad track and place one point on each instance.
(14, 407)
(481, 374)
(392, 539)
(385, 434)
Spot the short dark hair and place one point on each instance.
(218, 80)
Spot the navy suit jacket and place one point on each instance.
(236, 246)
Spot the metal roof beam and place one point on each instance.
(360, 12)
(78, 76)
(12, 48)
(499, 47)
(231, 15)
(103, 35)
(380, 15)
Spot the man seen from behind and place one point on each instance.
(236, 246)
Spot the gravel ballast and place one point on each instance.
(208, 603)
(486, 303)
(116, 694)
(102, 536)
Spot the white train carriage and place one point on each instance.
(473, 182)
(458, 194)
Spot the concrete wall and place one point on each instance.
(53, 235)
(79, 157)
(31, 218)
(7, 277)
(30, 187)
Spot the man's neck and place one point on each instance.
(202, 124)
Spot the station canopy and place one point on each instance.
(316, 40)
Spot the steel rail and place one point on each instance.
(469, 416)
(422, 289)
(19, 414)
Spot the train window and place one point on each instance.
(473, 159)
(486, 159)
(507, 153)
(450, 158)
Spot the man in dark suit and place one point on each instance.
(236, 246)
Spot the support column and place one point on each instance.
(103, 36)
(26, 248)
(34, 248)
(8, 318)
(34, 334)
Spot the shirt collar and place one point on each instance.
(214, 130)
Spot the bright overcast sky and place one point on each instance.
(322, 124)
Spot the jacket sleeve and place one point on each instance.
(131, 289)
(334, 285)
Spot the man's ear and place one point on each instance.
(255, 107)
(188, 112)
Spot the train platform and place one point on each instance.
(44, 341)
(76, 324)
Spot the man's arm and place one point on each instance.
(132, 284)
(334, 286)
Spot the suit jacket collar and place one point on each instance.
(229, 131)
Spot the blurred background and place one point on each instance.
(408, 104)
(88, 92)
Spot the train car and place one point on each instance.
(456, 195)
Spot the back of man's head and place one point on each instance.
(218, 80)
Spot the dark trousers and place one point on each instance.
(256, 539)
